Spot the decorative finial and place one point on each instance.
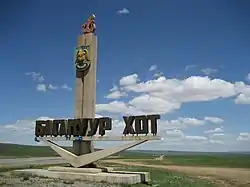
(89, 25)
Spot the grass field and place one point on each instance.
(232, 161)
(164, 175)
(163, 178)
(15, 150)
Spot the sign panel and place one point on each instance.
(88, 127)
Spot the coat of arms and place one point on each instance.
(82, 59)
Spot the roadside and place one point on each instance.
(230, 176)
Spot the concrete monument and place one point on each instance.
(85, 128)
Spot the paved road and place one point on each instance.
(24, 162)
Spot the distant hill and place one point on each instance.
(183, 153)
(16, 150)
(8, 150)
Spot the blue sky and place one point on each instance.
(187, 60)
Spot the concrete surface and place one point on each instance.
(77, 170)
(111, 178)
(85, 92)
(145, 176)
(86, 159)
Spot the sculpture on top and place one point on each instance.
(89, 25)
(82, 57)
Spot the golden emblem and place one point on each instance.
(82, 61)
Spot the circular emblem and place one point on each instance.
(82, 60)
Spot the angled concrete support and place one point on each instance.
(83, 160)
(95, 156)
(67, 155)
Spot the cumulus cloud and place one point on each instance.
(248, 77)
(244, 136)
(123, 11)
(164, 95)
(115, 93)
(153, 68)
(215, 130)
(215, 120)
(41, 87)
(158, 74)
(129, 80)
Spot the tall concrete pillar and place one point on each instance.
(85, 88)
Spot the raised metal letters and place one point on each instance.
(87, 127)
(141, 124)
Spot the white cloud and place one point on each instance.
(52, 87)
(215, 120)
(174, 134)
(194, 88)
(116, 94)
(153, 68)
(217, 135)
(216, 141)
(36, 76)
(129, 80)
(44, 87)
(244, 136)
(248, 77)
(164, 95)
(66, 87)
(196, 138)
(209, 71)
(215, 130)
(115, 88)
(189, 67)
(158, 74)
(41, 87)
(123, 11)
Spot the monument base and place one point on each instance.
(89, 174)
(83, 147)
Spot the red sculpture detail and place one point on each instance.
(89, 26)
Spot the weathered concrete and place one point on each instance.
(113, 178)
(85, 92)
(145, 176)
(77, 170)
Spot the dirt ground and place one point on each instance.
(233, 176)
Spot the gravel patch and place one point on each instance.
(9, 180)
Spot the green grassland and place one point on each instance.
(232, 161)
(11, 150)
(159, 177)
(164, 178)
(22, 151)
